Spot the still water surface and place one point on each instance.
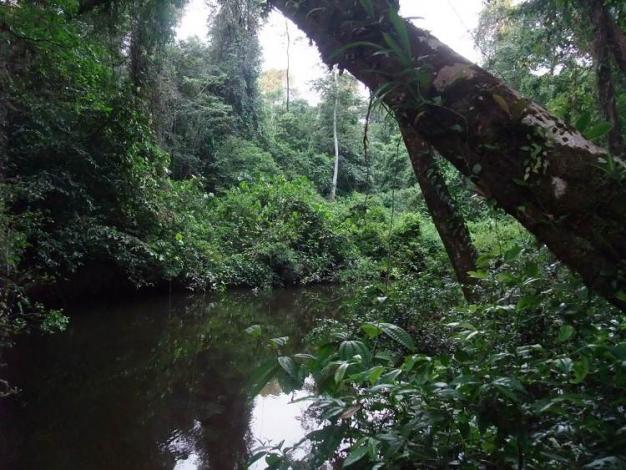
(158, 383)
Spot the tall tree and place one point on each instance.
(287, 53)
(340, 95)
(449, 222)
(536, 167)
(234, 47)
(601, 52)
(333, 189)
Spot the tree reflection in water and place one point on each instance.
(156, 383)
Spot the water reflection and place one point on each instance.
(158, 383)
(278, 417)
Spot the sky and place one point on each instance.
(452, 21)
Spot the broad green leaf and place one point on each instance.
(355, 455)
(391, 376)
(371, 330)
(340, 372)
(598, 130)
(349, 349)
(288, 366)
(581, 370)
(583, 121)
(398, 334)
(512, 253)
(565, 333)
(374, 374)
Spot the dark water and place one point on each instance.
(155, 383)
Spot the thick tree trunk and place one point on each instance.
(537, 168)
(333, 190)
(448, 221)
(601, 52)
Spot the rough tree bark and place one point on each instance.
(536, 167)
(601, 51)
(448, 221)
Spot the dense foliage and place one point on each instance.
(411, 375)
(131, 160)
(124, 168)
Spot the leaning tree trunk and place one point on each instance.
(536, 167)
(448, 221)
(601, 51)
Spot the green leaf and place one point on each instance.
(356, 455)
(371, 330)
(349, 349)
(396, 49)
(619, 351)
(398, 335)
(391, 376)
(374, 374)
(254, 330)
(565, 333)
(478, 274)
(401, 32)
(599, 130)
(288, 366)
(527, 302)
(581, 370)
(340, 372)
(280, 341)
(583, 121)
(512, 253)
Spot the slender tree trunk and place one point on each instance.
(333, 190)
(536, 167)
(617, 39)
(288, 62)
(137, 53)
(601, 51)
(448, 221)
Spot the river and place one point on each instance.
(157, 383)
